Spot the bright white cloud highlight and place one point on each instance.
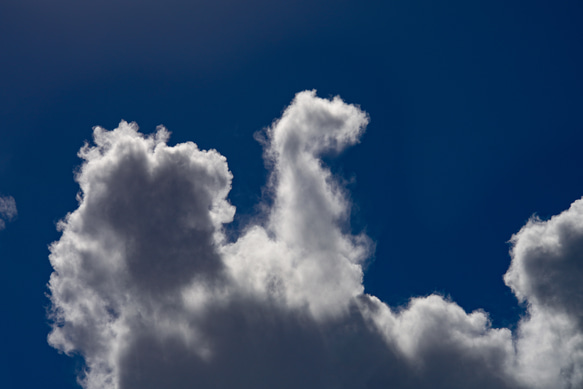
(149, 292)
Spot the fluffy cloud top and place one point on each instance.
(7, 210)
(149, 292)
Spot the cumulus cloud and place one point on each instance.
(547, 273)
(147, 289)
(7, 210)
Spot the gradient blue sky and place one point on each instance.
(475, 107)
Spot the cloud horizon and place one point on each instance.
(149, 292)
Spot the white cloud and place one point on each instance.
(547, 273)
(150, 293)
(7, 210)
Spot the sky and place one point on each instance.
(291, 194)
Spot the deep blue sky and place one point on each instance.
(476, 115)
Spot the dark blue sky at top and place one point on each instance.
(476, 117)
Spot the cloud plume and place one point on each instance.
(148, 290)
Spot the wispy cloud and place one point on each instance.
(150, 293)
(7, 210)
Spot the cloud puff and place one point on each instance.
(547, 273)
(147, 289)
(7, 210)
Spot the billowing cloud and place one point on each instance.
(7, 210)
(547, 273)
(148, 290)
